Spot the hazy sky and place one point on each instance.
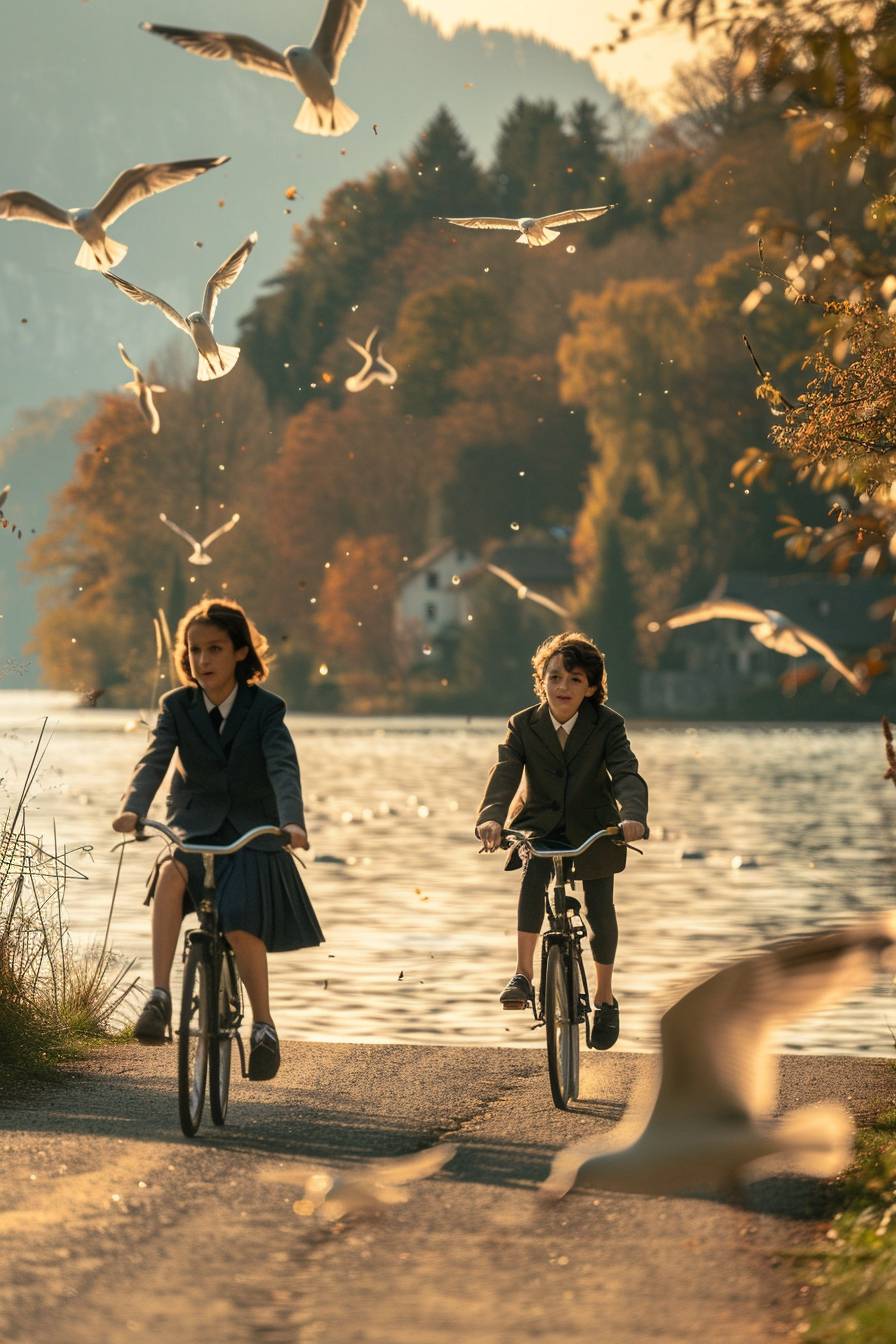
(577, 25)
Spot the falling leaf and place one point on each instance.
(376, 128)
(401, 975)
(291, 193)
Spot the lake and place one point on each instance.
(420, 928)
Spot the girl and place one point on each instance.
(236, 768)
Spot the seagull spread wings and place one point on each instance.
(148, 179)
(219, 531)
(143, 296)
(574, 216)
(771, 628)
(225, 275)
(163, 517)
(244, 50)
(338, 25)
(522, 591)
(484, 222)
(127, 360)
(25, 205)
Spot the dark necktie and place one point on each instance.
(216, 717)
(562, 735)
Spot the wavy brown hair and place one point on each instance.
(229, 617)
(576, 650)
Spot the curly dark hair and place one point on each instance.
(576, 650)
(229, 617)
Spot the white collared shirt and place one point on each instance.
(567, 726)
(225, 706)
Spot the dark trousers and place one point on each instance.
(599, 908)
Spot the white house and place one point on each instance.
(431, 596)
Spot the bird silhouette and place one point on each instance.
(313, 69)
(214, 360)
(712, 1112)
(375, 369)
(98, 251)
(771, 628)
(143, 391)
(533, 232)
(200, 554)
(523, 592)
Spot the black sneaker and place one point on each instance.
(153, 1026)
(605, 1028)
(517, 993)
(264, 1056)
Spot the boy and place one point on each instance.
(579, 775)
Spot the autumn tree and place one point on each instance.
(355, 614)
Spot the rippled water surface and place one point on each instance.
(420, 928)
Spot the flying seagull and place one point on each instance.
(314, 69)
(523, 592)
(200, 554)
(214, 360)
(533, 232)
(143, 391)
(372, 354)
(771, 628)
(713, 1111)
(99, 252)
(331, 1195)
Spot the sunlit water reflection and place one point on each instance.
(420, 927)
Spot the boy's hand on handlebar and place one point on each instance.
(125, 823)
(297, 837)
(490, 835)
(631, 830)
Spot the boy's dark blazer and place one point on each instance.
(247, 774)
(592, 783)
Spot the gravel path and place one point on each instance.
(114, 1227)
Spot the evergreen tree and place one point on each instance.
(443, 177)
(529, 172)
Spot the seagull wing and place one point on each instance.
(483, 222)
(245, 51)
(152, 414)
(818, 644)
(574, 216)
(338, 25)
(723, 608)
(414, 1167)
(219, 532)
(143, 296)
(225, 275)
(522, 590)
(179, 530)
(148, 179)
(128, 361)
(25, 205)
(780, 640)
(715, 1057)
(369, 343)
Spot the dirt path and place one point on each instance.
(114, 1227)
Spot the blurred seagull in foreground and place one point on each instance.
(98, 251)
(333, 1194)
(712, 1113)
(372, 354)
(143, 391)
(533, 232)
(214, 360)
(200, 554)
(314, 69)
(523, 592)
(771, 628)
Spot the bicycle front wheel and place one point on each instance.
(222, 1044)
(560, 1013)
(196, 1014)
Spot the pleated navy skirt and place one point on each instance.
(257, 891)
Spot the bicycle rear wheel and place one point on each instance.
(196, 1015)
(560, 1012)
(222, 1044)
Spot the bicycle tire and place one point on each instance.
(221, 1044)
(196, 1012)
(562, 1029)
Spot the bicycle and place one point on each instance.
(211, 1006)
(564, 1002)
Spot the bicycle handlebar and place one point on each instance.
(143, 822)
(608, 833)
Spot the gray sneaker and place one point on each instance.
(517, 993)
(153, 1026)
(264, 1055)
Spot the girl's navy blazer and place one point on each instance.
(591, 784)
(248, 774)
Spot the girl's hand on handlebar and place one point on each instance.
(631, 830)
(125, 823)
(490, 835)
(297, 837)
